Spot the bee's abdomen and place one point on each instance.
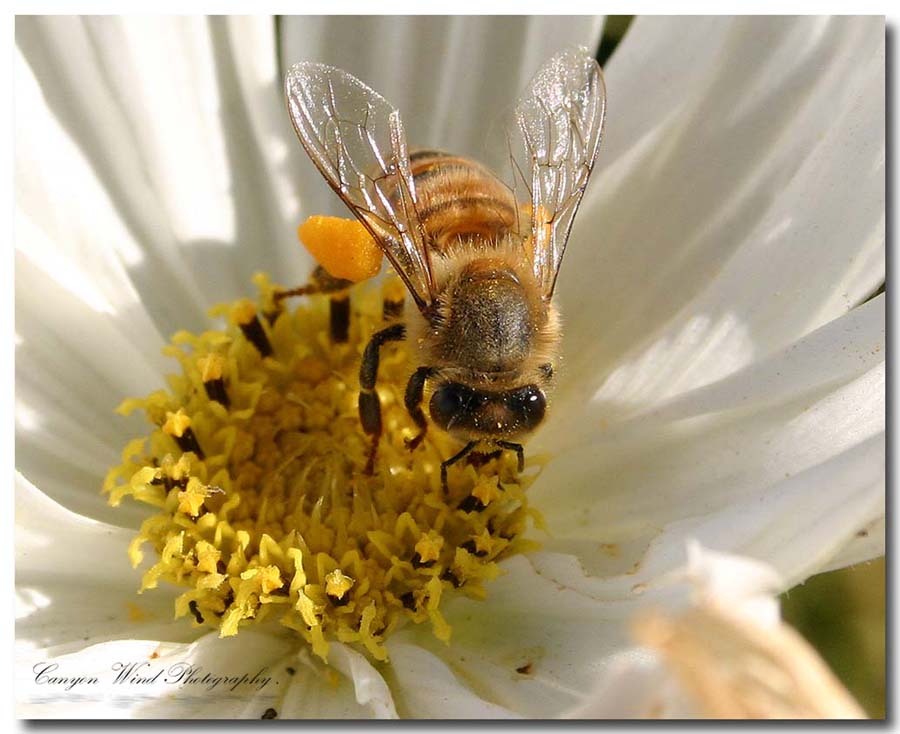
(460, 198)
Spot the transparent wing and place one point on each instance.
(561, 121)
(356, 139)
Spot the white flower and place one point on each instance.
(721, 381)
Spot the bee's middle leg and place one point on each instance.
(415, 389)
(518, 448)
(369, 403)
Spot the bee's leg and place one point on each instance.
(369, 404)
(415, 389)
(303, 290)
(517, 447)
(453, 459)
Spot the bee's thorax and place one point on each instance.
(489, 323)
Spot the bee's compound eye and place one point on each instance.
(529, 405)
(449, 402)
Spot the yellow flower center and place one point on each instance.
(263, 511)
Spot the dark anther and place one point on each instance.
(229, 598)
(471, 504)
(187, 441)
(470, 546)
(524, 669)
(417, 561)
(339, 318)
(269, 714)
(480, 458)
(448, 575)
(409, 601)
(290, 670)
(339, 602)
(391, 310)
(256, 335)
(195, 611)
(215, 389)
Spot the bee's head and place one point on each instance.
(472, 413)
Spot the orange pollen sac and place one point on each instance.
(343, 247)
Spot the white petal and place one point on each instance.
(454, 79)
(371, 689)
(74, 365)
(314, 694)
(532, 648)
(769, 437)
(866, 544)
(745, 586)
(158, 108)
(743, 205)
(75, 585)
(428, 689)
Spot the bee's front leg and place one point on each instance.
(520, 452)
(369, 403)
(415, 389)
(461, 454)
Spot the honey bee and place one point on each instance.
(479, 264)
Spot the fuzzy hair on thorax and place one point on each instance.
(489, 326)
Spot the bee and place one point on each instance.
(479, 264)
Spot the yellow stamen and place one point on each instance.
(393, 289)
(192, 498)
(207, 557)
(211, 367)
(429, 547)
(487, 490)
(176, 423)
(337, 584)
(243, 312)
(484, 543)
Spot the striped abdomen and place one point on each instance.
(460, 199)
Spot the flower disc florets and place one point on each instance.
(255, 467)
